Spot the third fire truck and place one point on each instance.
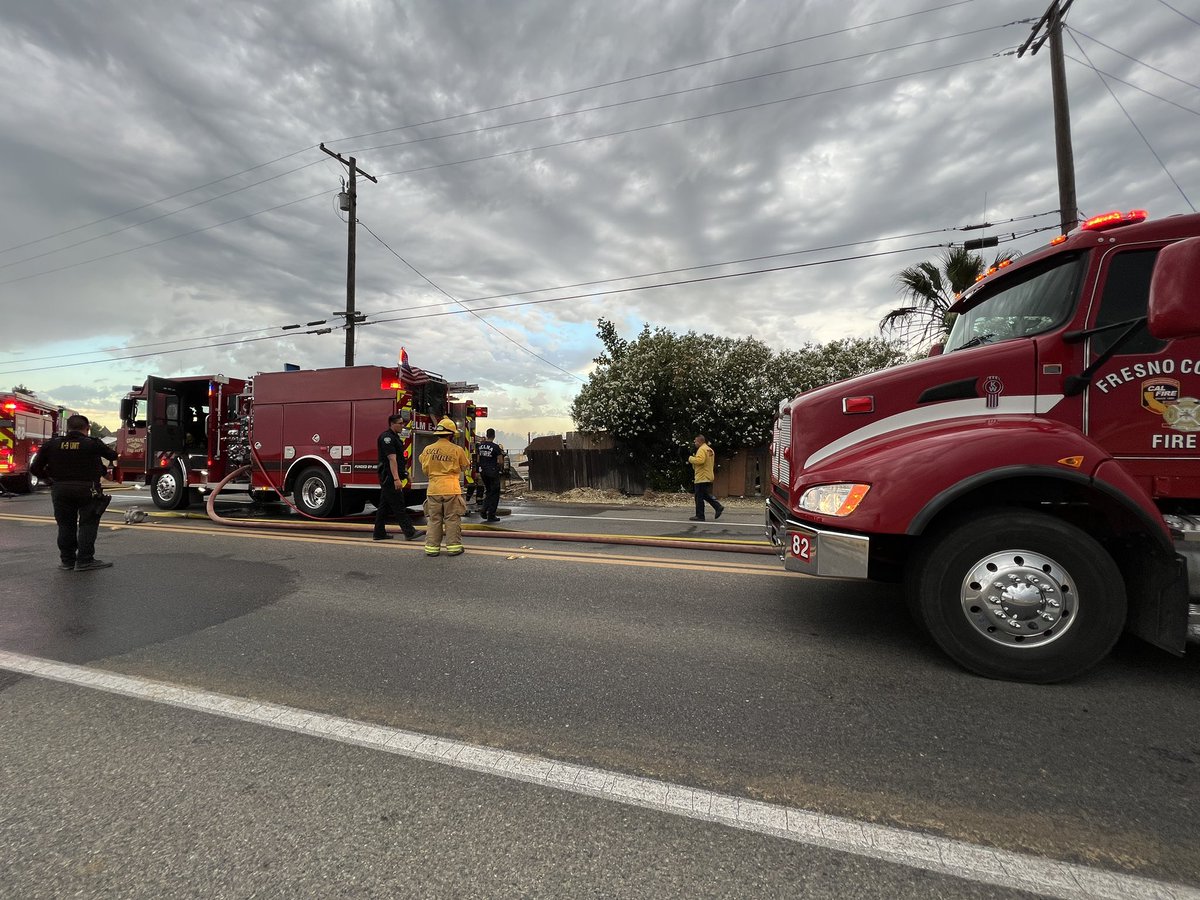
(1036, 486)
(309, 434)
(25, 424)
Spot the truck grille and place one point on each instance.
(780, 467)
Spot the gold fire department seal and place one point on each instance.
(1183, 414)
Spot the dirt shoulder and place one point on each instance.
(594, 497)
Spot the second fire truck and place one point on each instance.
(307, 434)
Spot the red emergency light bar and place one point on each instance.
(1114, 219)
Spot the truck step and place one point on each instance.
(1193, 632)
(1185, 524)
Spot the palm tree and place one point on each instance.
(931, 287)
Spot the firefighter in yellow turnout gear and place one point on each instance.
(444, 462)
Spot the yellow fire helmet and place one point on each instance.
(446, 427)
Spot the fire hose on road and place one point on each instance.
(314, 524)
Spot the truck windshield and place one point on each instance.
(1019, 307)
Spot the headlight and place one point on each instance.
(834, 499)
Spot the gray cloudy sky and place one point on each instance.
(163, 183)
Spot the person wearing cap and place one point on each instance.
(443, 462)
(73, 464)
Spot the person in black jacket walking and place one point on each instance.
(391, 482)
(73, 466)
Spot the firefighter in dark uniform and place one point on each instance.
(491, 464)
(391, 481)
(73, 466)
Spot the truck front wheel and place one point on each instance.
(314, 493)
(170, 490)
(1018, 595)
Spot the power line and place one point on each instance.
(608, 134)
(455, 312)
(1131, 58)
(507, 153)
(732, 262)
(667, 71)
(1116, 100)
(1130, 84)
(497, 108)
(441, 290)
(1173, 9)
(173, 212)
(650, 287)
(93, 259)
(558, 287)
(704, 87)
(159, 200)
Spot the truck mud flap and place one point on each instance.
(1158, 609)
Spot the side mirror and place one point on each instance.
(1174, 310)
(126, 409)
(936, 350)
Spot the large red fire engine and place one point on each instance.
(1036, 484)
(307, 433)
(25, 424)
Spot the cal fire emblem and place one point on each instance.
(1161, 397)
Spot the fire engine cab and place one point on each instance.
(25, 424)
(307, 433)
(1035, 482)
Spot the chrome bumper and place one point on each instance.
(831, 554)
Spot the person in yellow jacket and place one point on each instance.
(443, 462)
(703, 464)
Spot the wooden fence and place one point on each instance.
(558, 464)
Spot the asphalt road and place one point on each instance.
(705, 670)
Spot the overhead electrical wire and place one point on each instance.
(1130, 84)
(696, 118)
(667, 71)
(486, 128)
(729, 262)
(1145, 140)
(1185, 15)
(497, 108)
(442, 290)
(463, 311)
(1190, 84)
(501, 155)
(676, 93)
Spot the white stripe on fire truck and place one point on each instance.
(1025, 405)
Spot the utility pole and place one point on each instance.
(1052, 19)
(352, 210)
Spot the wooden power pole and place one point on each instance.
(1051, 21)
(352, 211)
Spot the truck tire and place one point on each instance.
(169, 489)
(314, 493)
(1018, 595)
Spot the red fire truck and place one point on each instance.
(310, 434)
(25, 424)
(1035, 482)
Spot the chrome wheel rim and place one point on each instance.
(166, 487)
(313, 493)
(1019, 598)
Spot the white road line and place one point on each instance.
(895, 845)
(759, 525)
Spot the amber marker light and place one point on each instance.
(1073, 461)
